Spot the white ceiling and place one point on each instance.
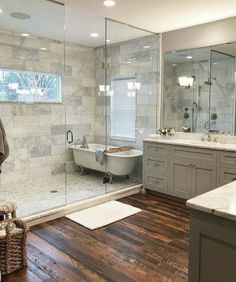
(158, 15)
(85, 16)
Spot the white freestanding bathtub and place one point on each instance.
(121, 163)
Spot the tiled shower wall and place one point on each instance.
(145, 67)
(36, 132)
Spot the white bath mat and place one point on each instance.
(102, 215)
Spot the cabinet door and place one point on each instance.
(227, 175)
(180, 184)
(204, 178)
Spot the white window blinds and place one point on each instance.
(123, 108)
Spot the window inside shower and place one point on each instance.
(29, 86)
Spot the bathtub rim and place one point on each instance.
(139, 153)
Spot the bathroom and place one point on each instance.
(101, 105)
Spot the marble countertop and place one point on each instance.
(194, 143)
(220, 201)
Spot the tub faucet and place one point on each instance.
(84, 143)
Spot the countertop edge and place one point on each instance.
(204, 146)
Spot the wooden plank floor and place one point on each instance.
(149, 246)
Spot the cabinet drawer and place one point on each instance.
(155, 166)
(194, 154)
(155, 183)
(227, 175)
(155, 150)
(228, 158)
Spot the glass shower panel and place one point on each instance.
(85, 104)
(31, 109)
(222, 99)
(132, 80)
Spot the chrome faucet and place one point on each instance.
(208, 137)
(83, 142)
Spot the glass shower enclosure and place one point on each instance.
(65, 98)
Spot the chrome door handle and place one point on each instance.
(69, 136)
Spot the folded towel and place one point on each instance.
(4, 148)
(100, 156)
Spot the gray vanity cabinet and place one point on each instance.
(179, 171)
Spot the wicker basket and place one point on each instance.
(13, 254)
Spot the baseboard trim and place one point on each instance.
(67, 209)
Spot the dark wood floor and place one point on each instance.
(149, 246)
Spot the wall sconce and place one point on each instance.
(102, 89)
(185, 81)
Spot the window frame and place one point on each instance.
(133, 140)
(37, 72)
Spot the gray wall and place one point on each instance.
(213, 33)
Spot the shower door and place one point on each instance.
(222, 98)
(85, 107)
(111, 101)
